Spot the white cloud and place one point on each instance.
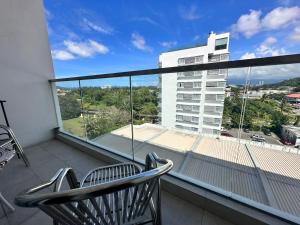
(79, 49)
(285, 2)
(266, 73)
(281, 17)
(252, 23)
(295, 35)
(196, 37)
(86, 49)
(62, 55)
(146, 19)
(88, 25)
(168, 44)
(248, 55)
(266, 48)
(48, 14)
(139, 42)
(247, 24)
(189, 13)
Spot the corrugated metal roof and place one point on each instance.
(222, 163)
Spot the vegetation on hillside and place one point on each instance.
(294, 82)
(108, 109)
(270, 111)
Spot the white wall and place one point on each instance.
(25, 68)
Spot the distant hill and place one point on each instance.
(294, 82)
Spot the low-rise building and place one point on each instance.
(293, 98)
(291, 134)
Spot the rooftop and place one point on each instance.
(294, 129)
(185, 47)
(294, 95)
(257, 172)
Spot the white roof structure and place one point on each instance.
(265, 175)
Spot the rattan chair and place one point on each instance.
(117, 194)
(10, 146)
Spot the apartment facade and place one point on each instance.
(194, 100)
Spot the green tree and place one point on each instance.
(69, 106)
(106, 120)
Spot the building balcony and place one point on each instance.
(187, 111)
(184, 89)
(187, 122)
(215, 89)
(189, 78)
(188, 100)
(212, 113)
(216, 77)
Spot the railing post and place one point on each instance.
(82, 112)
(131, 114)
(56, 104)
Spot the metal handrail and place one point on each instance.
(27, 199)
(267, 61)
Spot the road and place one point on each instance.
(273, 139)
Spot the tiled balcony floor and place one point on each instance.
(48, 157)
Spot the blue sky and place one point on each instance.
(93, 37)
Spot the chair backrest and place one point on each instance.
(122, 201)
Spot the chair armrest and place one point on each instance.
(69, 174)
(55, 181)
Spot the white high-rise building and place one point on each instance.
(194, 100)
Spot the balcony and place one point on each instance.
(189, 75)
(188, 89)
(45, 158)
(94, 120)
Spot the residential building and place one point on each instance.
(293, 98)
(194, 100)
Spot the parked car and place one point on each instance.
(224, 133)
(223, 129)
(257, 138)
(267, 131)
(286, 142)
(246, 130)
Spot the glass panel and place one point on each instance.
(269, 135)
(106, 111)
(243, 137)
(69, 98)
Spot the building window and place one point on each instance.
(190, 60)
(180, 85)
(196, 97)
(181, 61)
(179, 117)
(180, 96)
(196, 108)
(220, 97)
(195, 119)
(221, 44)
(179, 107)
(219, 109)
(197, 85)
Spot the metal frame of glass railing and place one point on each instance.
(257, 62)
(267, 61)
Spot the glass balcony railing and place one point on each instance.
(242, 141)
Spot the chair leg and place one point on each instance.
(6, 203)
(17, 146)
(158, 215)
(21, 153)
